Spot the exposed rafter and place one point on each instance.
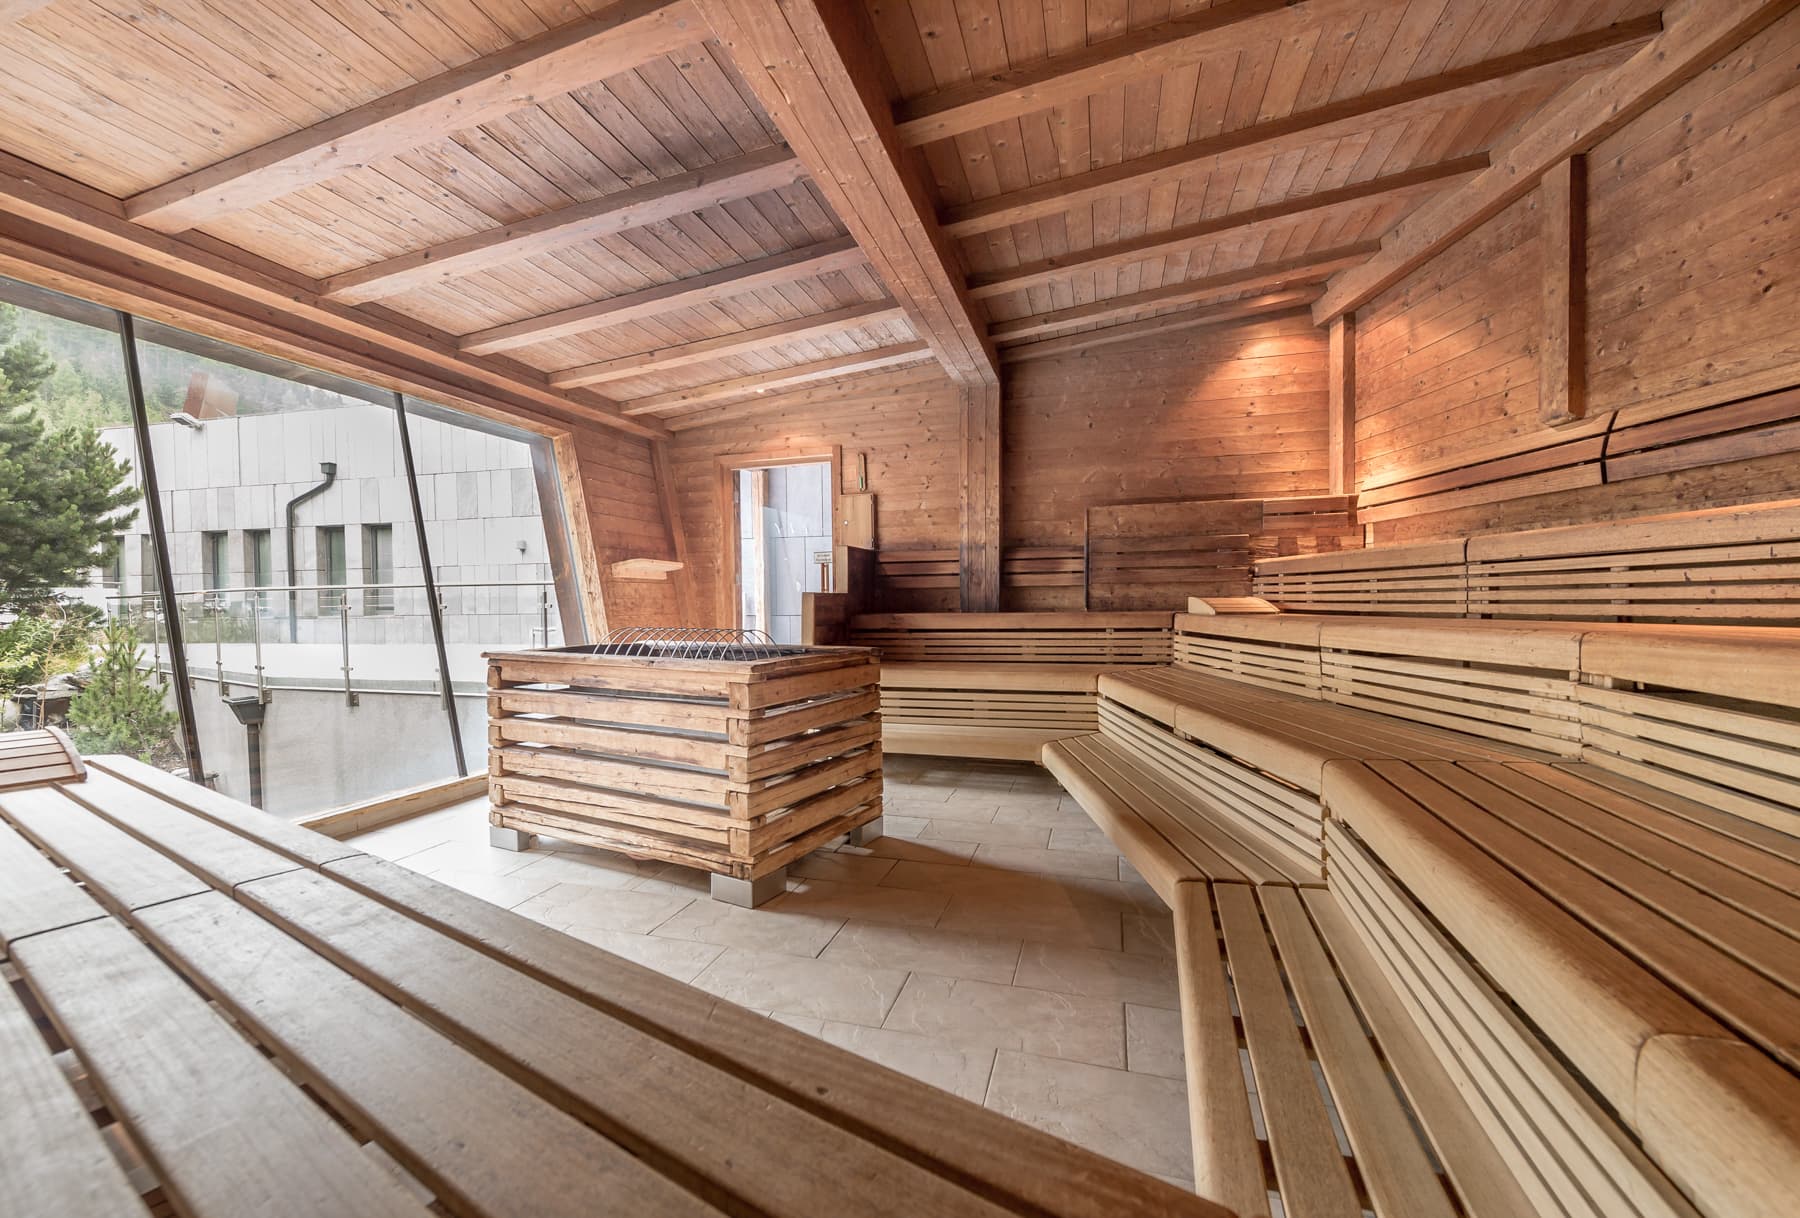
(1548, 66)
(1428, 179)
(821, 76)
(67, 236)
(1234, 25)
(740, 343)
(1707, 31)
(780, 378)
(1306, 268)
(1208, 315)
(839, 254)
(750, 174)
(621, 37)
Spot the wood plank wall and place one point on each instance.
(1693, 290)
(625, 520)
(1227, 412)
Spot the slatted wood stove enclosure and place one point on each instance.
(702, 748)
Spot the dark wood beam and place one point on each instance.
(1164, 323)
(1234, 25)
(1425, 180)
(1707, 31)
(1562, 353)
(1306, 268)
(740, 343)
(621, 37)
(756, 383)
(1548, 66)
(70, 237)
(737, 178)
(979, 433)
(818, 70)
(807, 262)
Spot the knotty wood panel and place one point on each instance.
(625, 520)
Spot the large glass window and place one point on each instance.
(299, 569)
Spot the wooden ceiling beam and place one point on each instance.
(1234, 25)
(743, 342)
(621, 37)
(1548, 66)
(70, 237)
(809, 261)
(1425, 180)
(1305, 268)
(1290, 301)
(818, 70)
(1706, 32)
(780, 378)
(684, 193)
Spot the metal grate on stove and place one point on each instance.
(689, 643)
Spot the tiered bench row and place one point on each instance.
(211, 1013)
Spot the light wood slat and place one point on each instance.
(14, 10)
(666, 358)
(819, 73)
(709, 186)
(1231, 226)
(119, 870)
(677, 400)
(1210, 315)
(676, 1111)
(1236, 25)
(1543, 67)
(1308, 1166)
(1227, 1162)
(52, 1156)
(225, 1129)
(36, 896)
(460, 1126)
(1394, 1168)
(1300, 269)
(1702, 35)
(891, 1110)
(28, 758)
(621, 37)
(806, 262)
(1471, 1160)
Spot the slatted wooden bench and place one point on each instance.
(1564, 939)
(999, 685)
(29, 758)
(1427, 579)
(276, 1022)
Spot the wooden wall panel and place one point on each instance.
(625, 520)
(1693, 300)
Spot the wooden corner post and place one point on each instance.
(1562, 356)
(1340, 416)
(980, 450)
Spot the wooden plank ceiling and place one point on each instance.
(656, 207)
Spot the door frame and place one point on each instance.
(728, 604)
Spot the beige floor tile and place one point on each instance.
(1149, 980)
(1138, 1119)
(1148, 934)
(608, 908)
(840, 868)
(410, 837)
(984, 833)
(469, 856)
(1057, 815)
(675, 880)
(890, 847)
(506, 891)
(812, 1025)
(1153, 1041)
(770, 981)
(1085, 838)
(672, 957)
(924, 950)
(954, 809)
(980, 1014)
(831, 899)
(1002, 916)
(591, 868)
(957, 1069)
(759, 930)
(897, 824)
(1049, 862)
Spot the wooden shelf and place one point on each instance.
(643, 568)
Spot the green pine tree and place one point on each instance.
(121, 710)
(63, 497)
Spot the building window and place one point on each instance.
(259, 564)
(378, 568)
(112, 574)
(334, 571)
(215, 566)
(148, 583)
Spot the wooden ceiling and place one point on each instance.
(655, 207)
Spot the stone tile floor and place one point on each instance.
(993, 944)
